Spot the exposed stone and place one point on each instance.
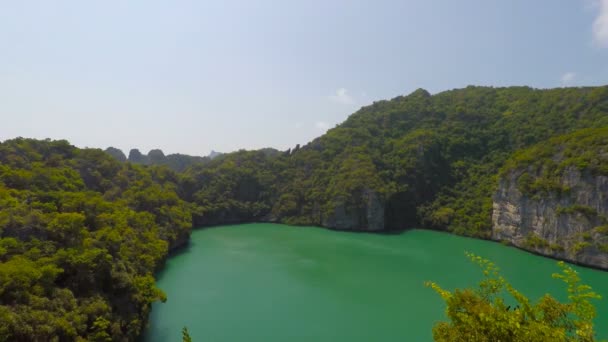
(560, 225)
(366, 215)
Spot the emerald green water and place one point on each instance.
(269, 282)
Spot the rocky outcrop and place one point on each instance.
(177, 162)
(137, 157)
(568, 223)
(366, 215)
(156, 157)
(116, 153)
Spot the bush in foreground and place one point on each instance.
(481, 314)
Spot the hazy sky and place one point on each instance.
(191, 76)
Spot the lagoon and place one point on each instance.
(272, 282)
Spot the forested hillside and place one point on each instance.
(82, 232)
(81, 235)
(414, 161)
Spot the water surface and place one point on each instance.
(270, 282)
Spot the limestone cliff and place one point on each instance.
(567, 221)
(365, 214)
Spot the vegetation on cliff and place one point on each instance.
(556, 194)
(544, 164)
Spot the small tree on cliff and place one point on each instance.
(481, 314)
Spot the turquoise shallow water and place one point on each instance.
(270, 282)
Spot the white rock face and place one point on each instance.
(557, 225)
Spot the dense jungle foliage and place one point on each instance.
(81, 235)
(81, 231)
(544, 164)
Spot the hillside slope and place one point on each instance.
(81, 232)
(81, 235)
(414, 161)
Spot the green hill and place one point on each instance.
(414, 161)
(81, 233)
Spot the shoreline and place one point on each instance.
(179, 248)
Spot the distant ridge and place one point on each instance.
(176, 161)
(214, 154)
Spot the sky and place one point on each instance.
(192, 76)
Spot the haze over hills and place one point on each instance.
(176, 161)
(227, 76)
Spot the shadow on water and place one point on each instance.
(185, 248)
(176, 252)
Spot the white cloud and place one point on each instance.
(342, 96)
(600, 25)
(568, 78)
(322, 126)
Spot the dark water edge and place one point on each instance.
(178, 249)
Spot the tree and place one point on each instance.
(482, 314)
